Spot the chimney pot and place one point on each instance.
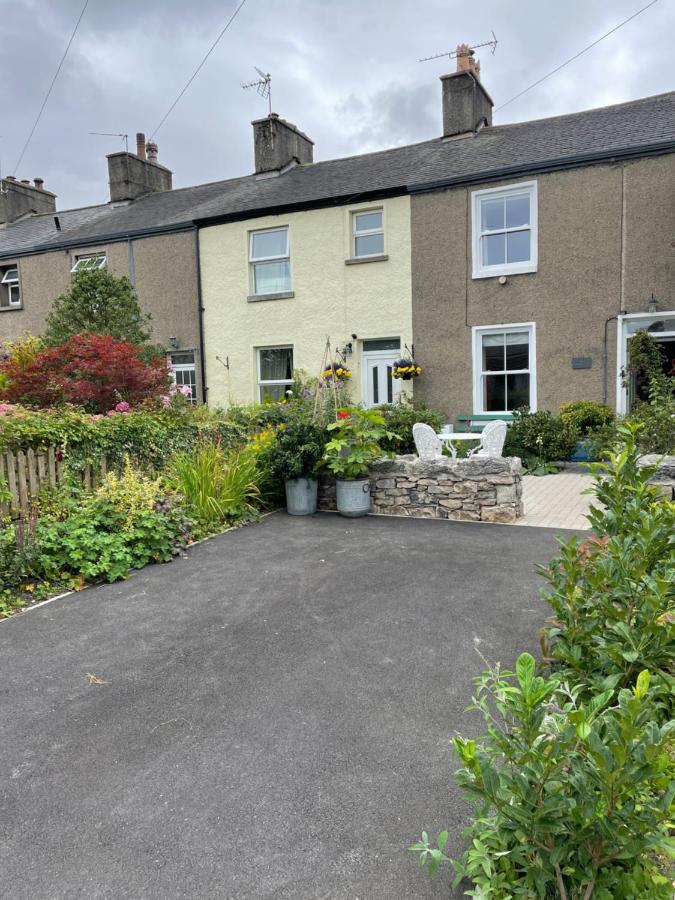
(39, 183)
(11, 178)
(140, 144)
(152, 151)
(25, 181)
(466, 61)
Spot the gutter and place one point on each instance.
(552, 165)
(93, 241)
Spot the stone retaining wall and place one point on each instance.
(664, 477)
(478, 489)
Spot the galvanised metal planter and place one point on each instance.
(301, 496)
(353, 497)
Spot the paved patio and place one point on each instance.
(556, 501)
(267, 718)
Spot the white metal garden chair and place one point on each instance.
(491, 439)
(427, 442)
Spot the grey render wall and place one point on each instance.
(605, 243)
(166, 281)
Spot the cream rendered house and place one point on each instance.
(275, 288)
(316, 252)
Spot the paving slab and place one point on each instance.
(267, 718)
(557, 501)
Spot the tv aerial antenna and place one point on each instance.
(453, 54)
(125, 137)
(263, 86)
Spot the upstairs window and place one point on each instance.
(90, 261)
(275, 372)
(10, 289)
(270, 262)
(368, 234)
(505, 230)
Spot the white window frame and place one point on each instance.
(263, 259)
(478, 331)
(367, 212)
(276, 381)
(622, 345)
(482, 271)
(90, 261)
(12, 283)
(184, 367)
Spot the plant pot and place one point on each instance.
(353, 497)
(581, 453)
(301, 494)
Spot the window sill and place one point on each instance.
(11, 308)
(282, 295)
(498, 271)
(357, 260)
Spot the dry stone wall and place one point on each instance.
(477, 489)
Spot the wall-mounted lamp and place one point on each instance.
(347, 350)
(174, 342)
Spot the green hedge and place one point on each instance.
(148, 437)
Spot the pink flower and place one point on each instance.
(166, 401)
(111, 412)
(5, 408)
(122, 406)
(185, 390)
(97, 417)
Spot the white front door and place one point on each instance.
(661, 326)
(378, 384)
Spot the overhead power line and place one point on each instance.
(53, 82)
(576, 55)
(199, 67)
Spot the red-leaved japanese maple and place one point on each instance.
(91, 370)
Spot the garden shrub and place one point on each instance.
(614, 597)
(586, 416)
(571, 799)
(125, 525)
(218, 486)
(540, 436)
(297, 449)
(91, 370)
(399, 419)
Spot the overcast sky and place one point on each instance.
(345, 71)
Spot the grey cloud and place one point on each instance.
(345, 71)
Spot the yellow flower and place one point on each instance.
(419, 370)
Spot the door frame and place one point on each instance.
(622, 338)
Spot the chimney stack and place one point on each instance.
(279, 145)
(466, 104)
(20, 198)
(132, 175)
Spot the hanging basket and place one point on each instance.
(406, 369)
(336, 372)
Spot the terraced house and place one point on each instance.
(514, 261)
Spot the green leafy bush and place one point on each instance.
(399, 419)
(297, 449)
(571, 799)
(586, 416)
(614, 596)
(356, 442)
(218, 486)
(540, 435)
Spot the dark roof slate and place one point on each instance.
(632, 126)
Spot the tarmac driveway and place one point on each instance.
(272, 717)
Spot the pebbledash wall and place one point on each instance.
(605, 244)
(477, 489)
(331, 297)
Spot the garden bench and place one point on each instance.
(476, 422)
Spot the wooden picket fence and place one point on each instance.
(27, 472)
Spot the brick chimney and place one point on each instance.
(21, 198)
(466, 103)
(132, 175)
(279, 144)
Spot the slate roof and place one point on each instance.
(628, 128)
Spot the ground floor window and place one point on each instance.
(184, 373)
(504, 368)
(275, 372)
